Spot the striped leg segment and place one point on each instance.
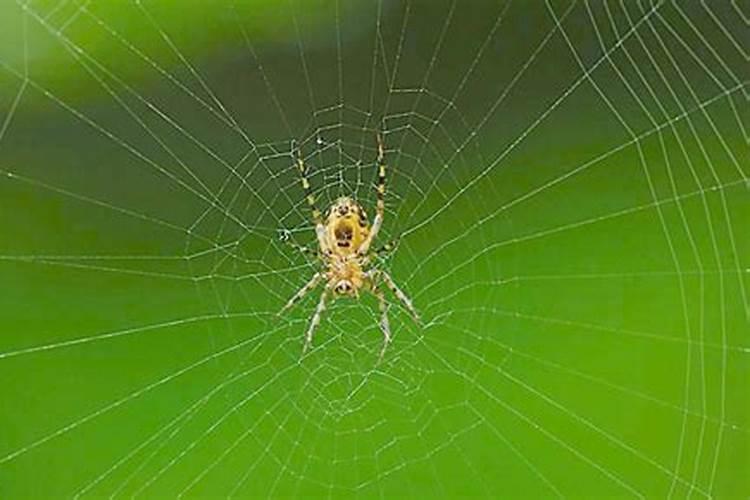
(302, 292)
(310, 198)
(380, 207)
(381, 176)
(315, 320)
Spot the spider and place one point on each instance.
(344, 239)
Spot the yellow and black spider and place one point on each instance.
(344, 241)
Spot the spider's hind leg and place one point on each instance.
(315, 321)
(310, 198)
(402, 297)
(385, 325)
(309, 286)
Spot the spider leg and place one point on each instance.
(405, 300)
(320, 230)
(314, 281)
(385, 325)
(315, 321)
(380, 207)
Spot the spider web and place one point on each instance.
(567, 183)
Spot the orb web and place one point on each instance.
(566, 183)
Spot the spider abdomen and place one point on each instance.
(346, 227)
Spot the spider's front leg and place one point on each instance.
(380, 207)
(320, 229)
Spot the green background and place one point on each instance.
(570, 200)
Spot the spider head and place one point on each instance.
(344, 287)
